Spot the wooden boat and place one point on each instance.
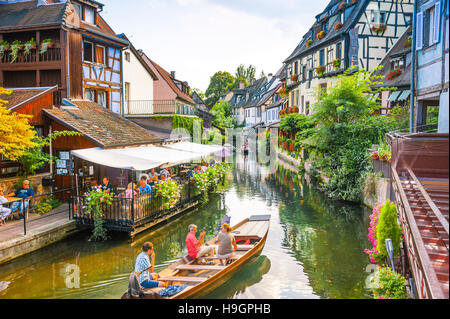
(250, 235)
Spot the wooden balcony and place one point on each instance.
(142, 108)
(420, 179)
(51, 57)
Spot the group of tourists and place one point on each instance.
(23, 196)
(145, 262)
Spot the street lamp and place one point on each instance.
(390, 251)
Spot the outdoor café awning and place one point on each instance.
(147, 157)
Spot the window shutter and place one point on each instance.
(419, 31)
(437, 20)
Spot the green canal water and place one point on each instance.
(314, 248)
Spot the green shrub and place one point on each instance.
(387, 284)
(388, 228)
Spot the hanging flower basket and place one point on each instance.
(294, 77)
(393, 74)
(374, 155)
(337, 64)
(283, 92)
(378, 28)
(337, 26)
(319, 70)
(321, 35)
(342, 5)
(308, 43)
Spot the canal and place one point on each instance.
(314, 247)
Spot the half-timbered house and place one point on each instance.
(347, 33)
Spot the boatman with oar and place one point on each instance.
(147, 279)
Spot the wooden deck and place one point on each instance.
(420, 179)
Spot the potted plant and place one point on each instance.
(321, 35)
(4, 46)
(319, 70)
(30, 44)
(393, 74)
(374, 155)
(283, 92)
(45, 45)
(336, 64)
(294, 77)
(337, 25)
(378, 28)
(342, 5)
(308, 43)
(408, 43)
(15, 47)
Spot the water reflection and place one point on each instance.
(314, 247)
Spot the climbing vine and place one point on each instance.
(95, 198)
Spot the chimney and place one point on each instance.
(241, 85)
(172, 74)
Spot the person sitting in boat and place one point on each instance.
(143, 187)
(194, 245)
(144, 267)
(226, 244)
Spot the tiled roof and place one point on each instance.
(22, 96)
(28, 14)
(104, 127)
(168, 78)
(331, 34)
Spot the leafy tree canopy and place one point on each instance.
(223, 115)
(218, 85)
(247, 73)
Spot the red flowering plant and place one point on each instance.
(294, 77)
(308, 43)
(373, 252)
(319, 70)
(393, 74)
(295, 108)
(353, 1)
(321, 35)
(342, 5)
(378, 28)
(283, 92)
(337, 25)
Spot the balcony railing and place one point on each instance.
(149, 107)
(51, 55)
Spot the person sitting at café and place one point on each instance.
(145, 267)
(153, 174)
(130, 192)
(143, 187)
(194, 245)
(107, 186)
(4, 212)
(226, 244)
(212, 162)
(164, 172)
(163, 177)
(204, 166)
(26, 193)
(199, 169)
(190, 173)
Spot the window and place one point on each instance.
(428, 25)
(322, 57)
(78, 10)
(296, 67)
(339, 50)
(304, 73)
(377, 17)
(89, 94)
(89, 15)
(102, 98)
(99, 54)
(88, 49)
(330, 55)
(127, 56)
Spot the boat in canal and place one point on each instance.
(203, 277)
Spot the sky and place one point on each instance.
(196, 38)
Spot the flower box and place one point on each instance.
(337, 64)
(342, 5)
(308, 43)
(337, 26)
(319, 70)
(294, 77)
(393, 74)
(378, 28)
(321, 35)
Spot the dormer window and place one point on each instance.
(397, 63)
(89, 15)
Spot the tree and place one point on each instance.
(198, 91)
(16, 134)
(34, 158)
(237, 83)
(218, 85)
(246, 73)
(223, 115)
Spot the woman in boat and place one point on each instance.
(226, 244)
